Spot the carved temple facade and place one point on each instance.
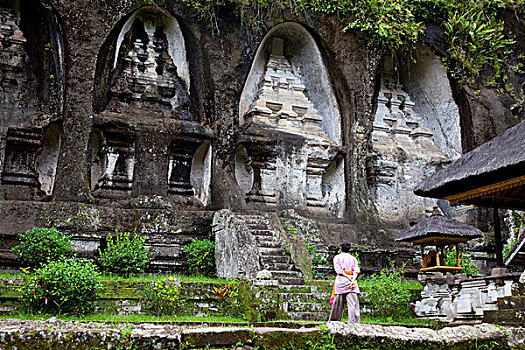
(144, 102)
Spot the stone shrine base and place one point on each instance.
(57, 334)
(451, 299)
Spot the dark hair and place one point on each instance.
(345, 247)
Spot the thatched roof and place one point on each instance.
(500, 159)
(438, 228)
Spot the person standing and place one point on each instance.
(345, 286)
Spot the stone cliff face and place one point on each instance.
(147, 109)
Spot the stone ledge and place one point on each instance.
(57, 334)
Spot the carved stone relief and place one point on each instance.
(15, 83)
(180, 167)
(113, 161)
(21, 147)
(29, 158)
(402, 151)
(287, 162)
(145, 74)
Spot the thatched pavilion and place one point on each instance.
(439, 231)
(492, 175)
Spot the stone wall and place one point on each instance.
(103, 104)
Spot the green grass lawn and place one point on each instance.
(208, 319)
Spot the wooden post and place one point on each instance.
(423, 265)
(497, 238)
(457, 255)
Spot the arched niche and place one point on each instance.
(143, 65)
(415, 132)
(300, 50)
(200, 175)
(428, 86)
(31, 98)
(291, 127)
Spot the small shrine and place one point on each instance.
(438, 231)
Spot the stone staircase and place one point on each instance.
(272, 256)
(311, 304)
(286, 288)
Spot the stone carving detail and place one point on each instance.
(13, 80)
(29, 158)
(402, 152)
(21, 148)
(463, 299)
(179, 167)
(287, 172)
(282, 101)
(115, 161)
(146, 76)
(395, 114)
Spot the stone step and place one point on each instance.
(255, 221)
(267, 259)
(265, 238)
(272, 251)
(252, 217)
(258, 227)
(306, 297)
(308, 316)
(511, 303)
(268, 244)
(290, 282)
(278, 266)
(285, 274)
(261, 233)
(306, 307)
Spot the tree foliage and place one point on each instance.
(474, 29)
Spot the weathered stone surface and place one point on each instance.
(403, 150)
(278, 338)
(57, 334)
(236, 254)
(202, 337)
(264, 275)
(388, 337)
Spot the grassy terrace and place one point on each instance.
(129, 290)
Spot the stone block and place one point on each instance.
(215, 336)
(277, 338)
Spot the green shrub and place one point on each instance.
(162, 297)
(41, 244)
(201, 257)
(388, 295)
(465, 261)
(65, 286)
(125, 254)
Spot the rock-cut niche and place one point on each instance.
(288, 152)
(147, 67)
(416, 131)
(142, 97)
(31, 99)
